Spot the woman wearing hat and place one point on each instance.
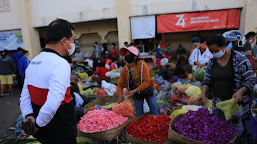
(135, 74)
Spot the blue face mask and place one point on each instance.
(250, 41)
(229, 46)
(219, 54)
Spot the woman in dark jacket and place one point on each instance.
(229, 75)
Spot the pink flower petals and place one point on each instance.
(100, 120)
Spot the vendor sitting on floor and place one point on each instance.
(99, 75)
(113, 64)
(179, 71)
(79, 100)
(164, 72)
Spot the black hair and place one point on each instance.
(202, 40)
(96, 42)
(113, 44)
(126, 42)
(5, 53)
(102, 64)
(57, 30)
(132, 44)
(115, 59)
(19, 49)
(180, 61)
(24, 52)
(250, 34)
(216, 39)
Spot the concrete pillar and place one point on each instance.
(30, 35)
(123, 21)
(248, 16)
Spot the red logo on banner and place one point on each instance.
(195, 21)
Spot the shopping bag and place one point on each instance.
(228, 108)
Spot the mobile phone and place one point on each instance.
(28, 127)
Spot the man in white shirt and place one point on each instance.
(200, 56)
(45, 99)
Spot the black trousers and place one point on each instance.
(61, 129)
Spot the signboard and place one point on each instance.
(11, 40)
(195, 21)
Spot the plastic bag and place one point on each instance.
(175, 85)
(195, 108)
(159, 80)
(87, 92)
(125, 108)
(178, 112)
(83, 75)
(191, 101)
(146, 107)
(199, 74)
(112, 74)
(228, 108)
(101, 91)
(108, 106)
(208, 104)
(166, 85)
(109, 88)
(193, 91)
(181, 90)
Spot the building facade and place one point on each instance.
(111, 20)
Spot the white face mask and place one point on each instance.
(72, 50)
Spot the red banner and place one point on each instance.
(195, 21)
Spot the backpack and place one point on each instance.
(252, 61)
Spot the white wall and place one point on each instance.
(150, 7)
(10, 19)
(45, 11)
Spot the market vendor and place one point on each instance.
(136, 76)
(229, 75)
(200, 56)
(164, 72)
